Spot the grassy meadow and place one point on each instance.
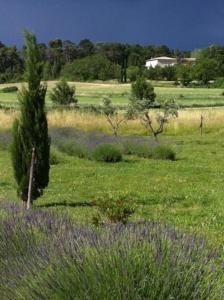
(187, 192)
(175, 230)
(92, 93)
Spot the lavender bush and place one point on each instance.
(82, 144)
(46, 256)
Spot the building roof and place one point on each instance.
(162, 58)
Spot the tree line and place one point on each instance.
(88, 61)
(58, 53)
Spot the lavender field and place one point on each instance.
(47, 256)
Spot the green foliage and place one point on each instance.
(55, 156)
(30, 130)
(143, 90)
(127, 272)
(107, 108)
(205, 70)
(143, 100)
(215, 53)
(159, 73)
(73, 149)
(141, 103)
(138, 149)
(110, 111)
(181, 193)
(107, 153)
(63, 94)
(9, 89)
(95, 67)
(133, 73)
(163, 152)
(143, 151)
(184, 74)
(47, 256)
(11, 64)
(219, 83)
(117, 208)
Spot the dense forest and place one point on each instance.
(87, 61)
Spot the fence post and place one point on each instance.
(201, 124)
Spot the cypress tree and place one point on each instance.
(30, 129)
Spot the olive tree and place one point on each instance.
(111, 112)
(142, 103)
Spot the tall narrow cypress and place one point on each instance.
(30, 129)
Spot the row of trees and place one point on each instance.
(89, 61)
(204, 71)
(58, 53)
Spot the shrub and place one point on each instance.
(9, 89)
(218, 83)
(143, 90)
(117, 208)
(163, 152)
(133, 72)
(107, 153)
(63, 94)
(72, 149)
(141, 150)
(55, 156)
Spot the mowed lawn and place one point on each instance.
(92, 93)
(188, 192)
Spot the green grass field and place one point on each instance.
(187, 192)
(184, 197)
(92, 93)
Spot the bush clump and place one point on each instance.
(55, 156)
(63, 94)
(163, 152)
(117, 208)
(9, 89)
(107, 153)
(142, 151)
(73, 149)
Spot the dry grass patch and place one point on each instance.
(188, 121)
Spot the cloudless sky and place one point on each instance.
(183, 24)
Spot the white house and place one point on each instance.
(162, 61)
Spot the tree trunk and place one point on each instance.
(29, 199)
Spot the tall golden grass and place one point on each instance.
(188, 121)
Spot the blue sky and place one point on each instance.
(179, 24)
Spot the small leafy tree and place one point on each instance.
(205, 70)
(112, 115)
(144, 91)
(184, 74)
(142, 102)
(30, 130)
(63, 94)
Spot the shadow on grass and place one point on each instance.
(65, 204)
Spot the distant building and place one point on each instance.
(162, 62)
